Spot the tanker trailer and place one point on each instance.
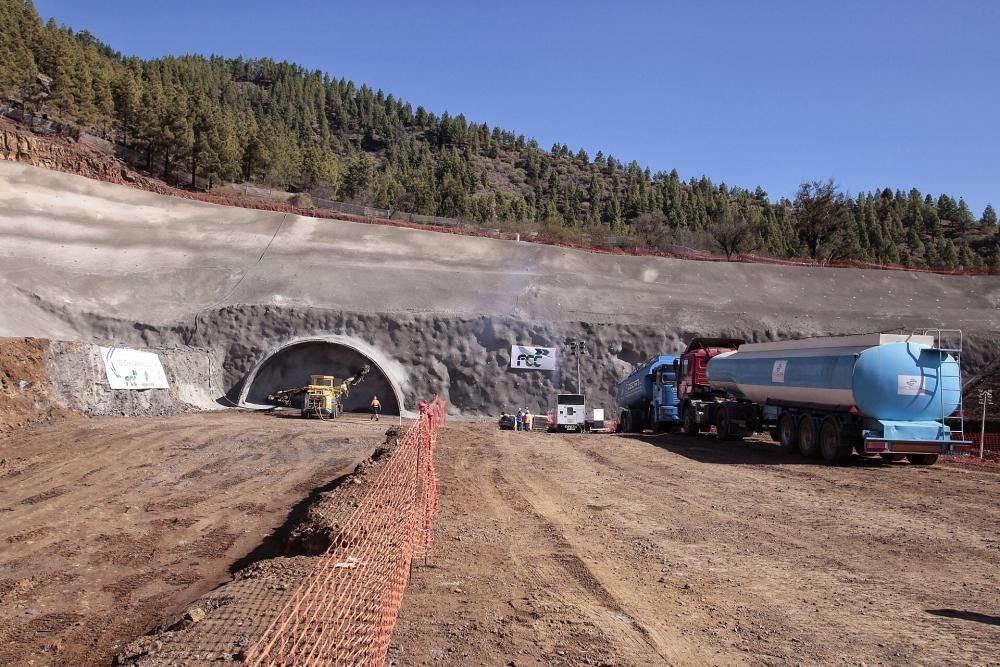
(885, 394)
(648, 397)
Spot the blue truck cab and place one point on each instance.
(647, 398)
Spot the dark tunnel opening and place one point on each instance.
(291, 367)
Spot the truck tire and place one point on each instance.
(688, 423)
(808, 437)
(725, 426)
(833, 446)
(626, 421)
(638, 425)
(656, 426)
(788, 433)
(922, 459)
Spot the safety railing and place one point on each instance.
(344, 611)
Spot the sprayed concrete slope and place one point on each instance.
(85, 260)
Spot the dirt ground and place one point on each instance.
(654, 550)
(108, 526)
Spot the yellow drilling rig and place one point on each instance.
(323, 397)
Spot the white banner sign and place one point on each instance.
(533, 358)
(132, 369)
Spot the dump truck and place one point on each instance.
(323, 397)
(877, 394)
(647, 398)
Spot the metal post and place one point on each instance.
(579, 385)
(985, 398)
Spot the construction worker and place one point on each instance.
(520, 419)
(376, 408)
(528, 419)
(425, 411)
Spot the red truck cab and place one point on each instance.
(692, 376)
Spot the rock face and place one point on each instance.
(60, 154)
(76, 373)
(95, 262)
(465, 359)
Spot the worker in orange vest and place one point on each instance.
(375, 407)
(424, 409)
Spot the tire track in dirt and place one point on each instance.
(850, 542)
(595, 561)
(575, 583)
(687, 552)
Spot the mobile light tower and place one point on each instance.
(985, 399)
(577, 348)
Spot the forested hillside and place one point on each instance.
(203, 120)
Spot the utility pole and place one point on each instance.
(577, 348)
(985, 398)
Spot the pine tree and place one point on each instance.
(989, 218)
(963, 216)
(205, 138)
(949, 255)
(127, 96)
(176, 131)
(359, 176)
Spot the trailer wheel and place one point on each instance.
(922, 459)
(808, 437)
(788, 433)
(831, 444)
(889, 458)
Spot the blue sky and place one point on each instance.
(892, 93)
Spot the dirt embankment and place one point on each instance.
(41, 380)
(109, 526)
(25, 392)
(223, 624)
(671, 550)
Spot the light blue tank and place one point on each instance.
(899, 381)
(906, 382)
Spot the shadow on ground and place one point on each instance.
(709, 449)
(966, 616)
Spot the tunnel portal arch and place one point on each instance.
(290, 365)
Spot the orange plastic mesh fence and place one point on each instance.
(344, 611)
(989, 450)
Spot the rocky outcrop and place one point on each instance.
(64, 154)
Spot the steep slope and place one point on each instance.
(89, 260)
(205, 120)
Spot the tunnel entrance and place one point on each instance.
(290, 367)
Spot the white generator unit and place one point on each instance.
(595, 419)
(570, 414)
